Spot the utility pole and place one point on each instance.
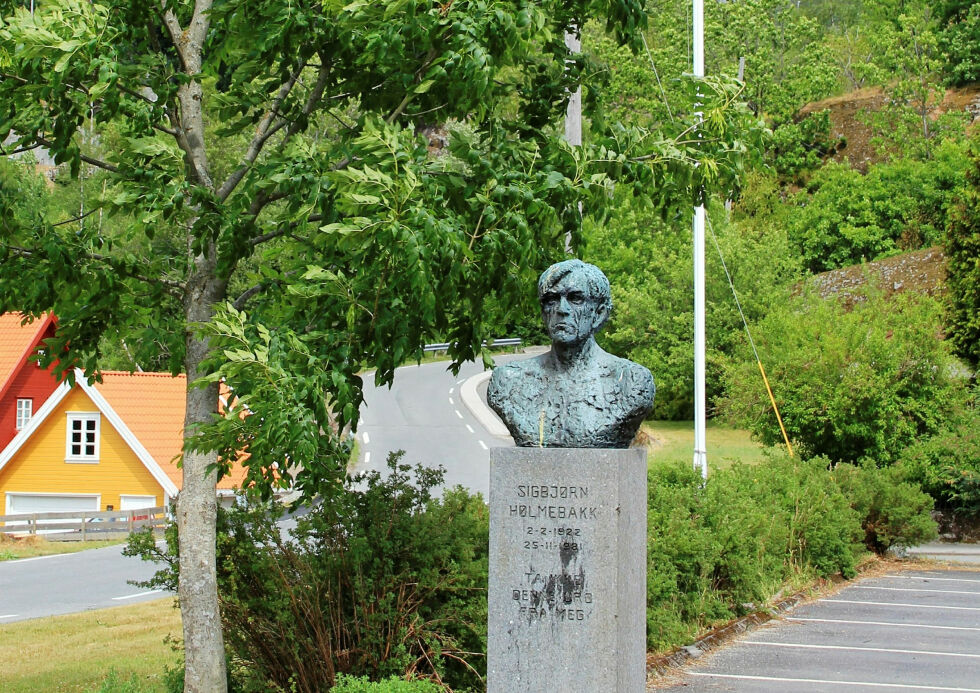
(700, 444)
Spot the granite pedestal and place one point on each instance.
(567, 594)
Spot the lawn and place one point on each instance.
(674, 440)
(12, 547)
(76, 652)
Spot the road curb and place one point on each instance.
(480, 411)
(661, 664)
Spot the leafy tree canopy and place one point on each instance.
(280, 222)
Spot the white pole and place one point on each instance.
(573, 114)
(700, 445)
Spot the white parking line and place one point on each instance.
(451, 390)
(460, 382)
(483, 445)
(367, 458)
(470, 428)
(859, 649)
(138, 594)
(458, 414)
(365, 437)
(451, 401)
(930, 577)
(913, 606)
(8, 616)
(910, 589)
(870, 684)
(878, 623)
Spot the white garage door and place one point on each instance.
(18, 503)
(49, 503)
(136, 502)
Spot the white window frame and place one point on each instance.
(83, 418)
(25, 410)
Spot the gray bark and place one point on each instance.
(204, 655)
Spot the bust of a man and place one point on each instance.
(576, 395)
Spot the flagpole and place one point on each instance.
(700, 445)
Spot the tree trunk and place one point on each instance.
(204, 655)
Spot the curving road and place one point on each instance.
(66, 583)
(425, 415)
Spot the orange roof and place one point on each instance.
(152, 406)
(17, 341)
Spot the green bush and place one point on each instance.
(385, 580)
(893, 512)
(719, 549)
(947, 465)
(801, 146)
(649, 263)
(858, 384)
(959, 39)
(844, 217)
(962, 244)
(350, 684)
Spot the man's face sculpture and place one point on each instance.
(570, 314)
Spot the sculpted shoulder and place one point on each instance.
(634, 380)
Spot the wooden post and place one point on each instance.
(34, 523)
(84, 526)
(129, 522)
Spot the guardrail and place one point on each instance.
(76, 525)
(508, 342)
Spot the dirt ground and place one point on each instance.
(847, 110)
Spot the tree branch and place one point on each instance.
(78, 218)
(239, 303)
(175, 288)
(316, 93)
(264, 131)
(98, 163)
(282, 230)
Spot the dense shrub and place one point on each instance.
(947, 465)
(801, 146)
(844, 217)
(893, 512)
(350, 684)
(718, 549)
(389, 583)
(962, 243)
(855, 384)
(960, 39)
(649, 263)
(383, 581)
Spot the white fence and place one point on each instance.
(80, 525)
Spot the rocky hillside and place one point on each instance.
(846, 119)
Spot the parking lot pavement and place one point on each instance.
(907, 631)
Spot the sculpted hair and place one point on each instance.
(589, 275)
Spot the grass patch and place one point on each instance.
(75, 653)
(674, 440)
(12, 548)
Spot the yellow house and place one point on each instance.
(108, 446)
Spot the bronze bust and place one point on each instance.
(576, 395)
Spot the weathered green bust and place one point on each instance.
(576, 395)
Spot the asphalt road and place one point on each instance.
(908, 631)
(424, 415)
(67, 583)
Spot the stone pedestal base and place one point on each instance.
(567, 597)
